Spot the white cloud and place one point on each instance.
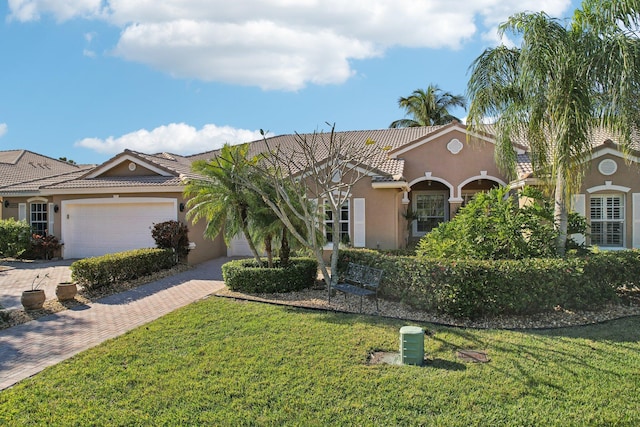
(3, 129)
(62, 10)
(178, 138)
(281, 44)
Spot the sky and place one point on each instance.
(86, 79)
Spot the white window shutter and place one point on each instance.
(359, 231)
(578, 205)
(22, 211)
(636, 220)
(51, 215)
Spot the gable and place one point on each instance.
(128, 164)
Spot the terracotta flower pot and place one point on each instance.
(33, 299)
(66, 291)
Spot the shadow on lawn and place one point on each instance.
(625, 330)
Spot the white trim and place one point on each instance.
(389, 184)
(612, 151)
(50, 217)
(579, 205)
(359, 225)
(127, 157)
(635, 220)
(437, 134)
(477, 177)
(22, 211)
(37, 199)
(428, 177)
(608, 186)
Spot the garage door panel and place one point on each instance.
(94, 229)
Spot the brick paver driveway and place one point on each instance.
(27, 349)
(17, 276)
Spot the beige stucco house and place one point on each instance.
(429, 173)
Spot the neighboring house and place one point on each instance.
(429, 173)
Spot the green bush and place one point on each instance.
(477, 288)
(104, 270)
(493, 226)
(245, 276)
(15, 237)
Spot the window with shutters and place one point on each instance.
(607, 220)
(343, 221)
(39, 218)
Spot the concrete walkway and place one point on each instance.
(27, 349)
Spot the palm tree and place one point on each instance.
(428, 107)
(219, 198)
(555, 90)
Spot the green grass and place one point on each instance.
(222, 362)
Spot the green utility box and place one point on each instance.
(411, 345)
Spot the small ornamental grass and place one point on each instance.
(222, 362)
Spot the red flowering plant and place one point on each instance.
(44, 246)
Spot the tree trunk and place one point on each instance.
(285, 250)
(269, 250)
(245, 231)
(560, 214)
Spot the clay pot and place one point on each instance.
(66, 291)
(33, 299)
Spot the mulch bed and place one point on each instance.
(316, 298)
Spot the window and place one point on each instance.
(343, 223)
(607, 220)
(39, 220)
(430, 209)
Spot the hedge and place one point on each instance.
(104, 270)
(476, 288)
(15, 237)
(244, 275)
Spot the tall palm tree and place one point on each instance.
(219, 198)
(428, 107)
(562, 83)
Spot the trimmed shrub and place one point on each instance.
(15, 237)
(245, 276)
(104, 270)
(477, 288)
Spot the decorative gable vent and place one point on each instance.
(607, 167)
(454, 146)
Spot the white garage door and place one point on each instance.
(238, 246)
(94, 227)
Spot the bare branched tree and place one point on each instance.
(302, 181)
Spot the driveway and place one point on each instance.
(17, 276)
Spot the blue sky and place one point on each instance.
(85, 79)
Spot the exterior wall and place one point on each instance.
(382, 212)
(625, 181)
(433, 157)
(438, 165)
(122, 169)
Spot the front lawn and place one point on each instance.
(222, 362)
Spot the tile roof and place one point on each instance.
(387, 167)
(25, 171)
(117, 181)
(23, 166)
